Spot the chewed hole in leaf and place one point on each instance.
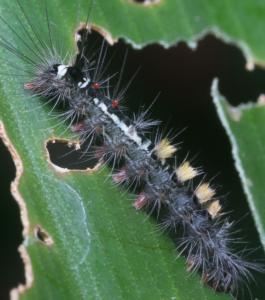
(65, 156)
(12, 270)
(186, 121)
(94, 28)
(42, 236)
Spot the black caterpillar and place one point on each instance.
(203, 235)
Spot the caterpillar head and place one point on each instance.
(57, 80)
(50, 78)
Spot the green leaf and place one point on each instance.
(245, 127)
(236, 22)
(102, 248)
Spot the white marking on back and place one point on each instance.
(85, 83)
(62, 69)
(146, 145)
(119, 123)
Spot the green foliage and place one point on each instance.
(102, 248)
(245, 127)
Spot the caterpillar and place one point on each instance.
(203, 235)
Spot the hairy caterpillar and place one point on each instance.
(145, 162)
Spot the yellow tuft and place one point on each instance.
(214, 208)
(164, 149)
(186, 172)
(204, 193)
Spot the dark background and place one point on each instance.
(184, 77)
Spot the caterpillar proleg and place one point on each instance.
(79, 83)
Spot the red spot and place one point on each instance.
(79, 126)
(141, 201)
(95, 85)
(30, 86)
(120, 176)
(115, 103)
